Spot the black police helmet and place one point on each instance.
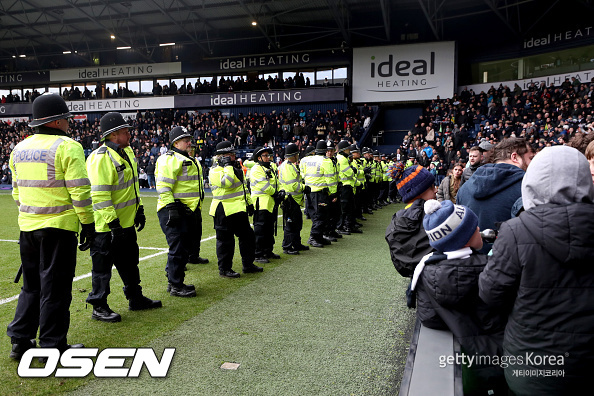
(259, 151)
(47, 108)
(309, 150)
(291, 149)
(225, 148)
(112, 122)
(343, 145)
(354, 148)
(321, 147)
(177, 133)
(376, 153)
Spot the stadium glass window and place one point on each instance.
(311, 75)
(206, 79)
(4, 92)
(111, 87)
(179, 82)
(339, 75)
(134, 86)
(191, 80)
(322, 75)
(52, 89)
(146, 86)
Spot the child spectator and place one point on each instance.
(446, 287)
(405, 235)
(541, 274)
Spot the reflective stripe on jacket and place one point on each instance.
(50, 183)
(346, 173)
(229, 190)
(114, 186)
(263, 183)
(289, 177)
(318, 173)
(179, 177)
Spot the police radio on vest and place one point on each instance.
(403, 67)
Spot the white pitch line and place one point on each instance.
(163, 251)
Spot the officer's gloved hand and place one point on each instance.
(87, 236)
(118, 235)
(226, 161)
(174, 215)
(250, 210)
(139, 219)
(306, 190)
(279, 196)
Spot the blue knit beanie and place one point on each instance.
(414, 181)
(448, 226)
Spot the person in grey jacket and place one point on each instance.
(448, 188)
(542, 273)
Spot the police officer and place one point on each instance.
(181, 192)
(348, 177)
(231, 204)
(53, 192)
(291, 182)
(367, 201)
(266, 197)
(334, 189)
(357, 162)
(318, 172)
(118, 209)
(309, 151)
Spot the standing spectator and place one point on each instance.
(150, 172)
(494, 188)
(541, 274)
(448, 188)
(474, 159)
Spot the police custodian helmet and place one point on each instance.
(343, 145)
(261, 150)
(112, 122)
(47, 108)
(177, 133)
(291, 149)
(225, 148)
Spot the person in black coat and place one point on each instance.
(446, 286)
(541, 271)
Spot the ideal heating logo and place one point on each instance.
(402, 74)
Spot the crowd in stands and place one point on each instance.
(150, 137)
(543, 115)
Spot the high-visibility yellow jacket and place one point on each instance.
(114, 185)
(263, 183)
(347, 174)
(179, 177)
(378, 177)
(229, 190)
(385, 176)
(50, 183)
(290, 180)
(319, 173)
(360, 172)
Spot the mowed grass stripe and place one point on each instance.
(330, 321)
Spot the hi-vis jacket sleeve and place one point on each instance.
(101, 172)
(72, 160)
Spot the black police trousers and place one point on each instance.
(347, 208)
(264, 232)
(48, 257)
(227, 227)
(181, 239)
(124, 255)
(293, 223)
(319, 211)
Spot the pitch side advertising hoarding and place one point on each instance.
(399, 73)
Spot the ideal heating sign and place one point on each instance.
(403, 72)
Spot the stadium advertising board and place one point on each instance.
(119, 104)
(116, 71)
(17, 79)
(329, 94)
(399, 73)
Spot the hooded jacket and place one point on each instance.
(491, 192)
(542, 272)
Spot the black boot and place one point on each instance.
(105, 314)
(141, 303)
(20, 347)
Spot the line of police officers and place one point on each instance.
(60, 196)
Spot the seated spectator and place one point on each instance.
(541, 274)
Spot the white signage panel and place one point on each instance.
(96, 73)
(399, 73)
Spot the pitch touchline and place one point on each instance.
(163, 251)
